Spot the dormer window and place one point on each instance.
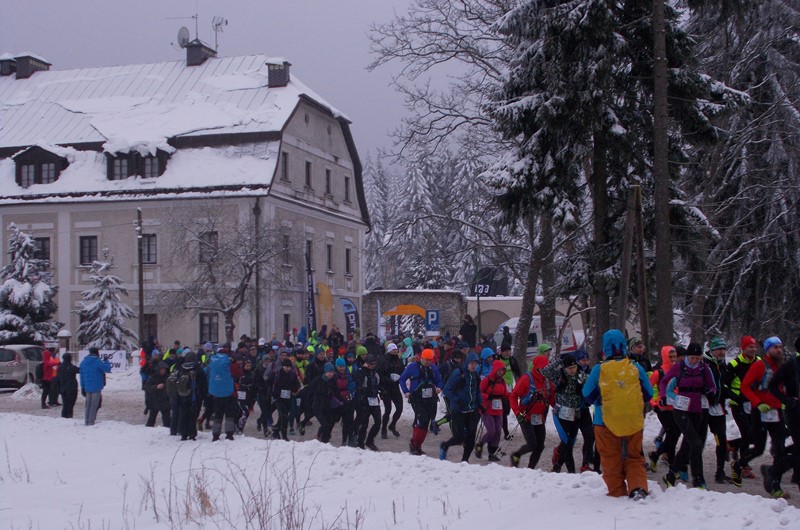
(124, 165)
(37, 165)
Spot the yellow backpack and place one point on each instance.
(622, 397)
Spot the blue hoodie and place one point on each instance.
(614, 350)
(486, 365)
(462, 389)
(92, 373)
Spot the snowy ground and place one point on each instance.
(57, 473)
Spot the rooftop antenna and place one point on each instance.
(195, 17)
(183, 37)
(217, 23)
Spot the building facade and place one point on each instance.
(83, 151)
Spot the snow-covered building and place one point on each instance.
(81, 150)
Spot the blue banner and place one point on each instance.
(350, 315)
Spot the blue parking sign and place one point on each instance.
(432, 320)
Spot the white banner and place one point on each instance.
(117, 358)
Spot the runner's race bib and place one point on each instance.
(395, 377)
(286, 394)
(298, 401)
(566, 413)
(681, 403)
(716, 410)
(427, 393)
(497, 404)
(703, 402)
(771, 416)
(537, 419)
(242, 395)
(372, 401)
(747, 407)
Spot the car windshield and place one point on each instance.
(33, 354)
(6, 356)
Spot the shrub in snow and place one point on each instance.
(27, 300)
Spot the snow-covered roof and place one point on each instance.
(242, 169)
(145, 104)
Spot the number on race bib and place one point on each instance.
(497, 404)
(703, 402)
(242, 395)
(716, 410)
(372, 401)
(427, 393)
(536, 419)
(681, 403)
(771, 416)
(566, 413)
(746, 407)
(395, 377)
(286, 394)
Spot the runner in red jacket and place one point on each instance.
(493, 392)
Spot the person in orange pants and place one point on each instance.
(619, 388)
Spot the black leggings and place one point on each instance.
(694, 429)
(717, 425)
(590, 456)
(464, 426)
(534, 441)
(672, 434)
(569, 430)
(391, 395)
(366, 411)
(758, 437)
(68, 403)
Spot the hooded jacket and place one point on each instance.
(92, 373)
(614, 351)
(49, 366)
(159, 400)
(690, 381)
(656, 376)
(568, 388)
(66, 377)
(462, 388)
(756, 383)
(523, 387)
(494, 390)
(486, 366)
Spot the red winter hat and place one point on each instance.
(747, 340)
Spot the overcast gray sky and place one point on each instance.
(325, 40)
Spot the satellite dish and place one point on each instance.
(183, 37)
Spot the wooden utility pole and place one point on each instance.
(661, 197)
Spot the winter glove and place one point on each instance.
(521, 417)
(764, 408)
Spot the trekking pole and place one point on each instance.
(505, 442)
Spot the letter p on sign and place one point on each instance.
(432, 320)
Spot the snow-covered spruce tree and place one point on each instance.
(578, 101)
(103, 313)
(27, 300)
(749, 185)
(379, 268)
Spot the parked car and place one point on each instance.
(18, 363)
(568, 340)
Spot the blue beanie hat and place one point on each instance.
(328, 367)
(581, 354)
(486, 353)
(770, 342)
(614, 344)
(340, 362)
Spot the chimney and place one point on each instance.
(28, 63)
(197, 53)
(278, 74)
(7, 64)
